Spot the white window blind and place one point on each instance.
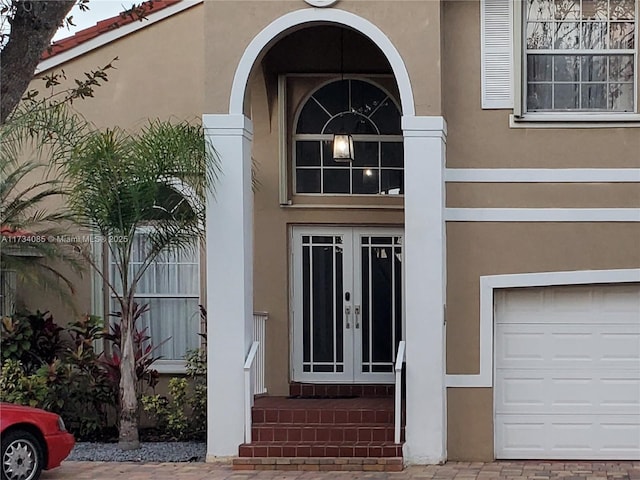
(496, 43)
(171, 287)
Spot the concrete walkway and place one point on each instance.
(528, 470)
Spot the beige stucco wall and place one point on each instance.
(158, 75)
(412, 26)
(482, 138)
(486, 248)
(180, 68)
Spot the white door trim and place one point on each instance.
(541, 279)
(351, 336)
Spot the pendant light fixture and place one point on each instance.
(342, 141)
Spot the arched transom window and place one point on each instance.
(372, 117)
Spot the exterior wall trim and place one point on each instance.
(489, 283)
(117, 33)
(542, 175)
(542, 214)
(319, 15)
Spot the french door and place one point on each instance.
(347, 303)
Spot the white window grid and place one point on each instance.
(142, 296)
(580, 51)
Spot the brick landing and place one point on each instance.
(453, 470)
(328, 464)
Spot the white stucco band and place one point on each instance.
(229, 281)
(424, 289)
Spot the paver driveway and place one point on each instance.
(454, 470)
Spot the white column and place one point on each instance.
(425, 286)
(229, 282)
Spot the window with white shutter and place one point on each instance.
(560, 59)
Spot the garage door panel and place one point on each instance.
(568, 346)
(568, 437)
(567, 392)
(567, 378)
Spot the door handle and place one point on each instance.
(357, 315)
(347, 312)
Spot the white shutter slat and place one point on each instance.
(496, 46)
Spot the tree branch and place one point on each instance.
(32, 28)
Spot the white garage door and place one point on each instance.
(567, 379)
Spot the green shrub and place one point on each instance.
(183, 414)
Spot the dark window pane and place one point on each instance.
(339, 294)
(392, 182)
(621, 36)
(366, 330)
(621, 68)
(308, 180)
(594, 9)
(538, 96)
(327, 155)
(306, 304)
(566, 9)
(323, 368)
(334, 96)
(567, 35)
(322, 239)
(350, 123)
(365, 154)
(382, 368)
(565, 96)
(381, 240)
(594, 35)
(594, 96)
(365, 181)
(567, 68)
(387, 118)
(336, 180)
(622, 9)
(621, 97)
(312, 118)
(308, 154)
(392, 154)
(381, 318)
(539, 35)
(539, 9)
(594, 68)
(539, 68)
(322, 304)
(306, 368)
(397, 265)
(365, 97)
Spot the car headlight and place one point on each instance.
(61, 425)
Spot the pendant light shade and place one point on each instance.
(342, 147)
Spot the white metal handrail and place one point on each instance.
(259, 335)
(248, 390)
(398, 404)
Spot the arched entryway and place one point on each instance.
(230, 247)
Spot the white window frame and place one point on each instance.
(167, 366)
(502, 82)
(287, 196)
(520, 79)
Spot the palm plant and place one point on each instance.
(36, 133)
(121, 183)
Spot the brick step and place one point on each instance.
(320, 449)
(318, 414)
(370, 464)
(340, 390)
(323, 432)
